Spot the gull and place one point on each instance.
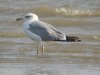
(40, 31)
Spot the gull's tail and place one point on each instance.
(72, 39)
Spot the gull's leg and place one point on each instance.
(37, 48)
(42, 49)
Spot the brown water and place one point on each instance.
(73, 17)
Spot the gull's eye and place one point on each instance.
(27, 16)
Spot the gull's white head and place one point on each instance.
(29, 16)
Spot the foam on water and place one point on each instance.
(51, 8)
(54, 11)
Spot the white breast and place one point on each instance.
(31, 34)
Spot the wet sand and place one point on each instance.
(18, 56)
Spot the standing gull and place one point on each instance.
(40, 31)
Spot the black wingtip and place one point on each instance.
(72, 39)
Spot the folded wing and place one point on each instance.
(46, 31)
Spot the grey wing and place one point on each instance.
(61, 36)
(52, 27)
(44, 31)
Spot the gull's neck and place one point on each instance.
(27, 22)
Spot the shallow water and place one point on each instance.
(73, 17)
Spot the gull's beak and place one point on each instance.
(18, 19)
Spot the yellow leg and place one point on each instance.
(37, 48)
(42, 49)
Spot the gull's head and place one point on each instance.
(29, 16)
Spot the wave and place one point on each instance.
(65, 11)
(45, 10)
(77, 12)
